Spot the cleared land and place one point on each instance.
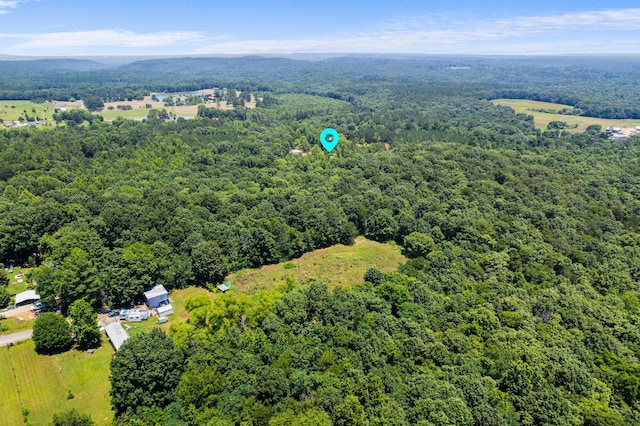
(11, 111)
(139, 109)
(42, 383)
(542, 119)
(339, 265)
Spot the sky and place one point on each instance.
(210, 27)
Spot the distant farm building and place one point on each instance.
(157, 296)
(26, 297)
(165, 310)
(116, 333)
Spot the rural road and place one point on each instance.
(15, 337)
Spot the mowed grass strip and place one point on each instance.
(338, 265)
(542, 119)
(10, 406)
(45, 381)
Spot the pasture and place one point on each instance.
(11, 111)
(338, 265)
(46, 384)
(576, 122)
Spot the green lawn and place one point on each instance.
(12, 110)
(9, 399)
(127, 113)
(45, 381)
(13, 326)
(542, 119)
(15, 287)
(339, 265)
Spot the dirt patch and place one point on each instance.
(20, 311)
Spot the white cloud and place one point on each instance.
(442, 34)
(590, 31)
(7, 6)
(74, 40)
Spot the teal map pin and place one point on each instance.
(329, 138)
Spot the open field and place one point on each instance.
(139, 109)
(12, 110)
(42, 383)
(339, 265)
(542, 119)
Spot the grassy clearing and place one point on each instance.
(12, 110)
(16, 285)
(542, 119)
(45, 381)
(338, 266)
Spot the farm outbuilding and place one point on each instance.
(165, 310)
(116, 333)
(26, 297)
(156, 296)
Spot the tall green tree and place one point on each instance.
(145, 372)
(71, 418)
(51, 333)
(209, 263)
(84, 325)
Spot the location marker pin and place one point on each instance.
(329, 138)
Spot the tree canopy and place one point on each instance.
(51, 333)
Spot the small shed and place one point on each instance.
(165, 310)
(224, 287)
(26, 297)
(116, 333)
(156, 296)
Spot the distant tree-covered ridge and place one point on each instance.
(597, 86)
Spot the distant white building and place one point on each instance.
(117, 334)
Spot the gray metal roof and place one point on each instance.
(116, 333)
(158, 290)
(26, 296)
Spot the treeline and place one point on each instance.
(600, 86)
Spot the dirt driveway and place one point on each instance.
(20, 311)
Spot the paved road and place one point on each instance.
(15, 337)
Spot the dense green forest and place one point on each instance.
(519, 303)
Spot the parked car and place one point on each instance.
(37, 307)
(114, 313)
